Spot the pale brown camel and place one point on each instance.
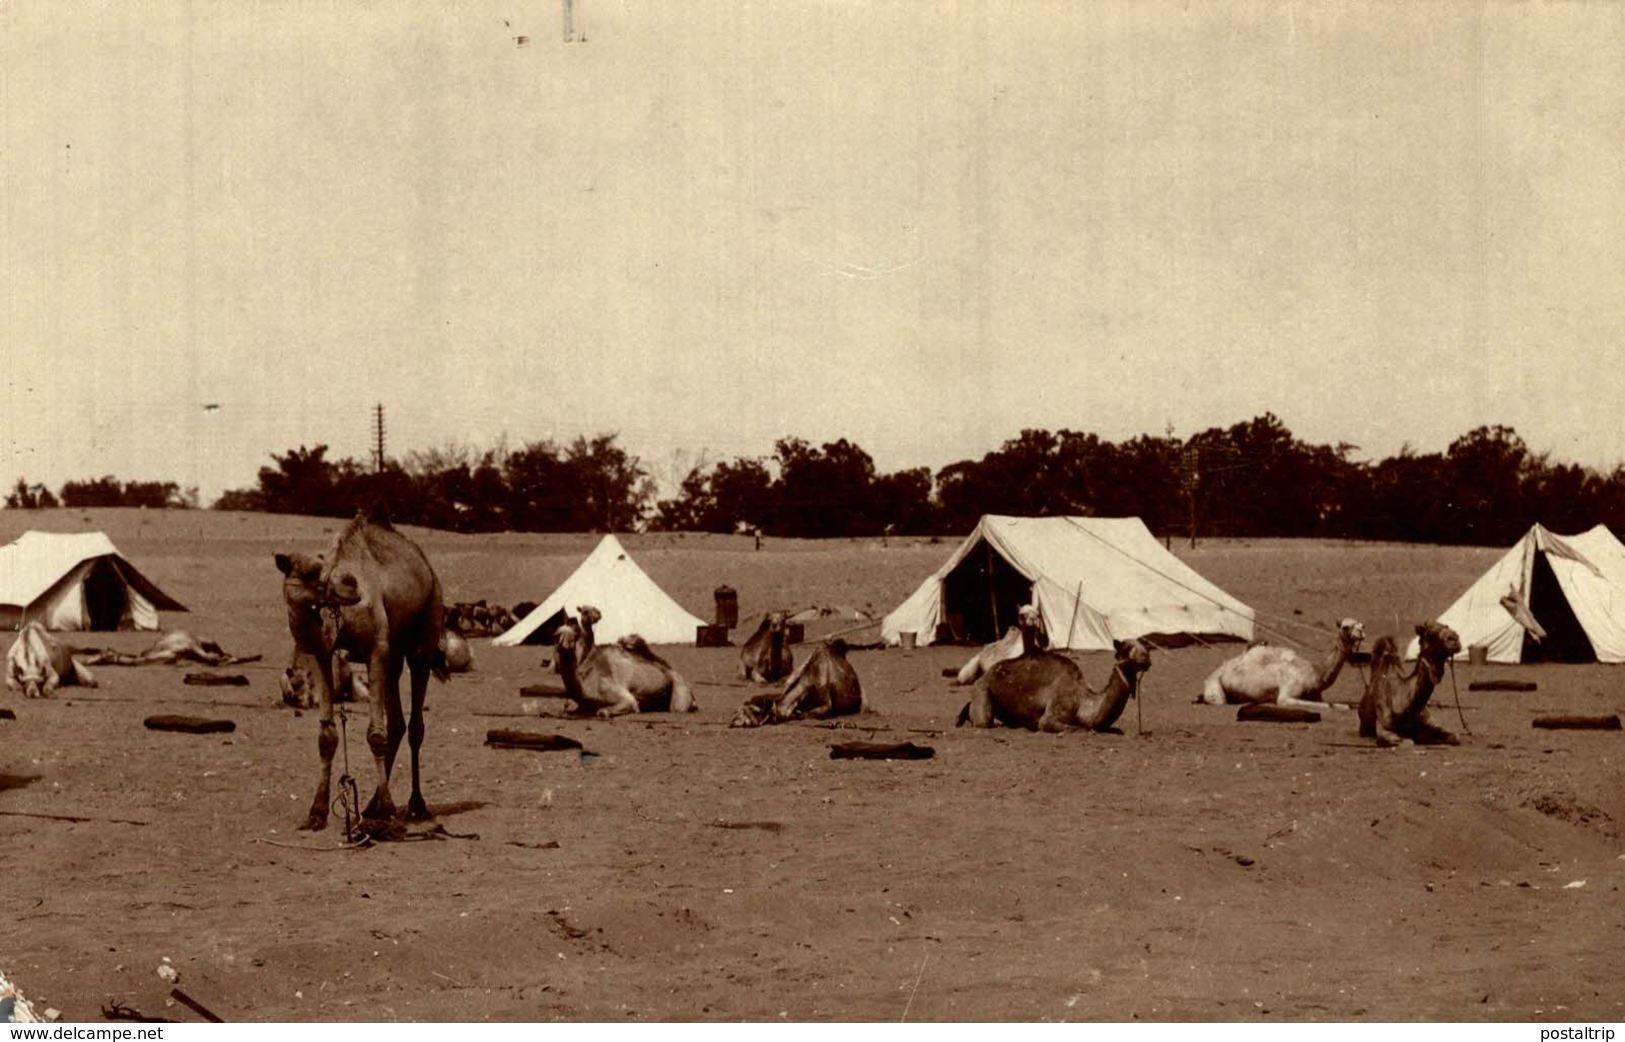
(825, 685)
(1395, 706)
(383, 601)
(299, 690)
(766, 657)
(586, 618)
(1044, 691)
(169, 649)
(1026, 635)
(37, 664)
(1264, 674)
(620, 678)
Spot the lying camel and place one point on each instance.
(766, 657)
(1026, 635)
(174, 646)
(1395, 706)
(1264, 674)
(826, 685)
(37, 664)
(374, 594)
(620, 678)
(299, 690)
(1043, 691)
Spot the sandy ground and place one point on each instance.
(1204, 869)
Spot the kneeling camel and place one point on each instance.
(1044, 691)
(825, 685)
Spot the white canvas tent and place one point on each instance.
(1093, 579)
(76, 581)
(1572, 586)
(612, 582)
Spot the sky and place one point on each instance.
(230, 229)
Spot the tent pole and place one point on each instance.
(1076, 601)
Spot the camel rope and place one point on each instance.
(1454, 690)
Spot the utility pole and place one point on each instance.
(1190, 477)
(378, 433)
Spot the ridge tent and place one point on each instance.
(612, 582)
(1572, 586)
(76, 581)
(1093, 579)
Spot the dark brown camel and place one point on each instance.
(1395, 706)
(826, 685)
(1044, 691)
(766, 657)
(381, 600)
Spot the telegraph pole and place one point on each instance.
(378, 438)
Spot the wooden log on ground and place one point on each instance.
(503, 739)
(1269, 712)
(7, 714)
(215, 680)
(950, 672)
(1576, 723)
(542, 691)
(880, 751)
(1502, 685)
(188, 724)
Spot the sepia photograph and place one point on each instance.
(615, 513)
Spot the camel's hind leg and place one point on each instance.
(619, 703)
(682, 697)
(416, 808)
(978, 712)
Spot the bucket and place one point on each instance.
(1478, 655)
(907, 639)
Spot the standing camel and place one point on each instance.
(766, 657)
(1264, 673)
(382, 604)
(1395, 706)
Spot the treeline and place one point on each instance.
(1249, 479)
(103, 492)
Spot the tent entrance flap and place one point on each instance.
(106, 603)
(1566, 639)
(981, 595)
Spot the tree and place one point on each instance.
(30, 497)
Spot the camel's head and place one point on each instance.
(1351, 634)
(1133, 656)
(757, 711)
(566, 645)
(590, 616)
(313, 582)
(1031, 623)
(1436, 640)
(775, 621)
